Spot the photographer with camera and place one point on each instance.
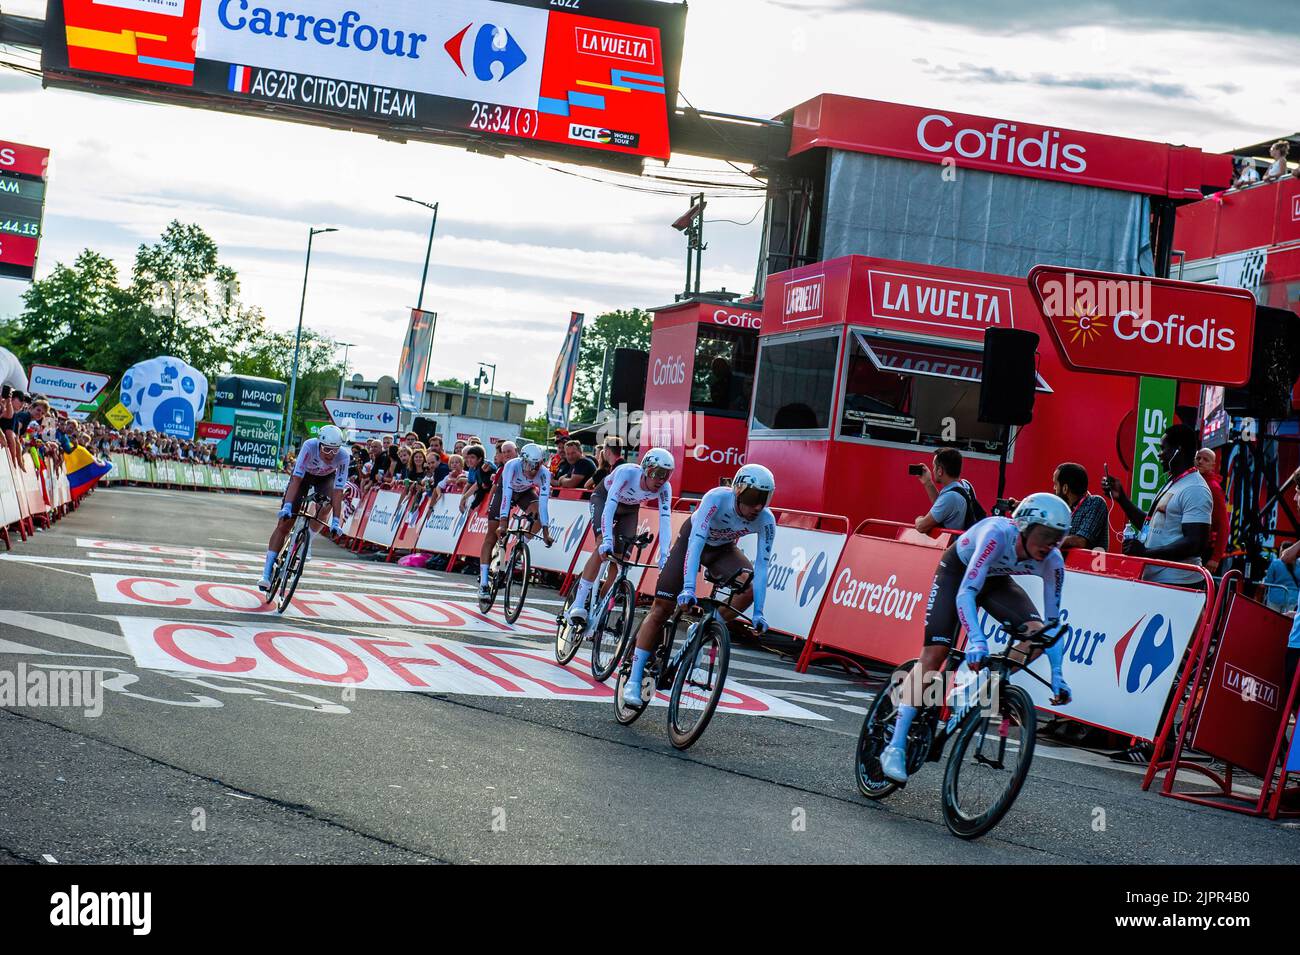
(953, 505)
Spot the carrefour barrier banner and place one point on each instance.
(442, 525)
(569, 522)
(385, 516)
(1123, 646)
(166, 395)
(801, 567)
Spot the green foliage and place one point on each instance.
(537, 429)
(625, 328)
(181, 301)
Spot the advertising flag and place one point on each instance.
(413, 369)
(560, 397)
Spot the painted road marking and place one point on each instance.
(325, 605)
(429, 665)
(172, 550)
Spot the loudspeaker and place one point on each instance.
(426, 428)
(1007, 386)
(1274, 367)
(628, 385)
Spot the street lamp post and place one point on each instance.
(492, 387)
(297, 339)
(343, 377)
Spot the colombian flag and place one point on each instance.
(83, 470)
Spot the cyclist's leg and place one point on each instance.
(1009, 603)
(490, 539)
(282, 527)
(592, 567)
(726, 562)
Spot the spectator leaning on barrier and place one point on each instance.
(1088, 517)
(609, 456)
(1207, 462)
(1281, 583)
(576, 468)
(506, 451)
(953, 503)
(436, 453)
(1177, 527)
(478, 474)
(455, 481)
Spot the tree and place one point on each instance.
(625, 328)
(79, 317)
(537, 430)
(319, 369)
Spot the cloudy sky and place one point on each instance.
(519, 246)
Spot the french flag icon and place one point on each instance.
(241, 79)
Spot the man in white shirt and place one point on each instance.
(1177, 527)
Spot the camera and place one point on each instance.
(6, 391)
(916, 470)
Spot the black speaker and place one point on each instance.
(1274, 367)
(426, 428)
(627, 386)
(1008, 384)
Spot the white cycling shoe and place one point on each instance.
(893, 763)
(578, 617)
(632, 695)
(264, 584)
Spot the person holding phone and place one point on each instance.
(952, 501)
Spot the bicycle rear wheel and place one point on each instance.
(698, 684)
(518, 569)
(610, 640)
(989, 762)
(293, 570)
(877, 729)
(567, 637)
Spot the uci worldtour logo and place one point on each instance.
(491, 46)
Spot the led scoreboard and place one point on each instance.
(596, 75)
(22, 203)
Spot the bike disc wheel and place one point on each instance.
(610, 640)
(293, 572)
(518, 568)
(988, 763)
(877, 729)
(567, 638)
(697, 686)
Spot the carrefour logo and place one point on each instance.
(574, 534)
(812, 579)
(809, 576)
(492, 45)
(1139, 663)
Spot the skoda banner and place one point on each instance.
(254, 410)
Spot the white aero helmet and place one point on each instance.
(1042, 508)
(330, 437)
(532, 455)
(658, 463)
(753, 484)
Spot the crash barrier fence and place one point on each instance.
(854, 594)
(1235, 702)
(31, 494)
(130, 469)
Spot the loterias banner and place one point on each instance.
(1133, 325)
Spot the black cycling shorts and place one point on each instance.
(317, 485)
(626, 517)
(1001, 596)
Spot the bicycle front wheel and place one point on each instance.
(697, 686)
(518, 569)
(568, 638)
(611, 638)
(877, 730)
(293, 571)
(989, 762)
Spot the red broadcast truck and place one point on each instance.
(868, 365)
(699, 379)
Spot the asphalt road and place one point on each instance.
(478, 751)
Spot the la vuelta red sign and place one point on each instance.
(1132, 325)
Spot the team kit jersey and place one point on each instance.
(310, 462)
(515, 482)
(987, 550)
(623, 487)
(717, 523)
